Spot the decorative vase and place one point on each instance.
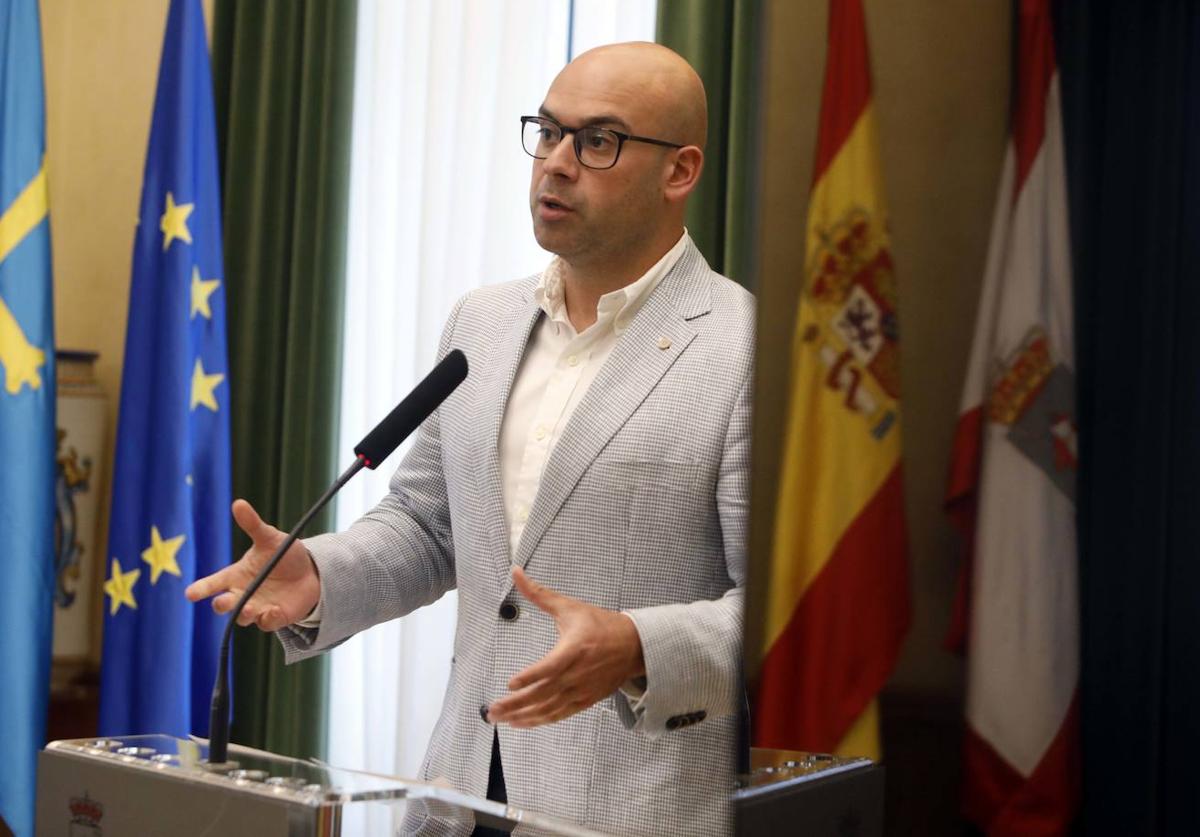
(81, 439)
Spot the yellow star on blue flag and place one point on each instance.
(160, 554)
(203, 386)
(119, 588)
(202, 289)
(174, 221)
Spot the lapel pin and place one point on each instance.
(664, 342)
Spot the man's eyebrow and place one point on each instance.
(601, 119)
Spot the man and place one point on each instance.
(600, 445)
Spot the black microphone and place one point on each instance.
(378, 445)
(417, 406)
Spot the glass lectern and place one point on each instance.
(161, 785)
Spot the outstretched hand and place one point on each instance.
(597, 651)
(287, 595)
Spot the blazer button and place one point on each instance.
(674, 722)
(509, 611)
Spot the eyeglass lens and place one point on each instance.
(595, 147)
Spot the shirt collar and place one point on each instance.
(616, 308)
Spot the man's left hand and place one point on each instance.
(597, 651)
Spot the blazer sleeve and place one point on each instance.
(693, 651)
(397, 557)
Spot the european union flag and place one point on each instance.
(27, 439)
(171, 495)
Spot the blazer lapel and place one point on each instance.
(658, 334)
(494, 390)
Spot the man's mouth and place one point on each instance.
(551, 202)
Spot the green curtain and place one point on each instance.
(721, 38)
(283, 75)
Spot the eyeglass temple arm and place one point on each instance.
(650, 140)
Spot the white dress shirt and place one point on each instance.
(558, 367)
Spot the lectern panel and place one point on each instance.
(160, 785)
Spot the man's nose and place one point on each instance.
(562, 160)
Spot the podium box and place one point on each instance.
(161, 785)
(792, 792)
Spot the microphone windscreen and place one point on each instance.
(417, 406)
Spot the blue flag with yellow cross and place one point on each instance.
(170, 521)
(27, 436)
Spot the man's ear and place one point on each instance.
(683, 172)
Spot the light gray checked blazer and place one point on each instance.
(642, 508)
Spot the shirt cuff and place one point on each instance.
(635, 692)
(634, 688)
(313, 620)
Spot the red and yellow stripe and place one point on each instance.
(837, 607)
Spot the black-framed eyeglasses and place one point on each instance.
(596, 148)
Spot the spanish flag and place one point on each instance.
(838, 601)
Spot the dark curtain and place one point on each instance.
(1131, 92)
(721, 39)
(283, 75)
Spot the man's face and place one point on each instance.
(589, 215)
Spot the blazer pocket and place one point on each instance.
(660, 492)
(672, 516)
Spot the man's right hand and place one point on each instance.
(287, 595)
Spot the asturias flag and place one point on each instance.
(1012, 481)
(27, 436)
(838, 600)
(171, 491)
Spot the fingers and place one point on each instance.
(228, 600)
(225, 602)
(548, 712)
(248, 520)
(227, 577)
(268, 617)
(542, 703)
(542, 596)
(536, 693)
(218, 582)
(272, 619)
(249, 615)
(549, 667)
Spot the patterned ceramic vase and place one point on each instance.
(81, 439)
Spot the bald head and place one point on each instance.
(654, 83)
(610, 224)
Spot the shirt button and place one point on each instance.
(522, 514)
(509, 611)
(541, 433)
(573, 360)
